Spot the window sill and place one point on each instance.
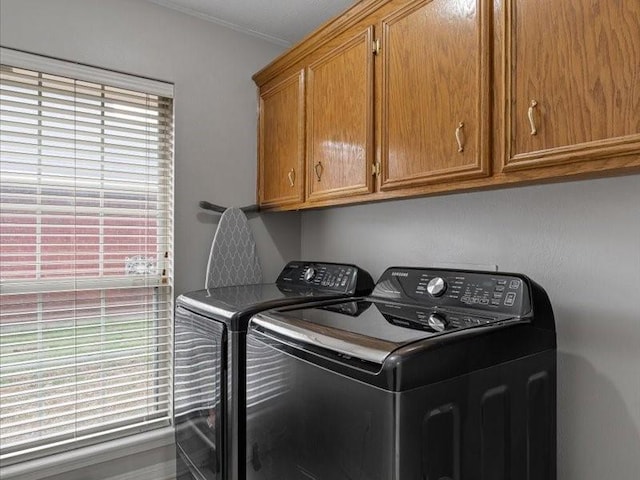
(88, 456)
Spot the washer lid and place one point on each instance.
(366, 330)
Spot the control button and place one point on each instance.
(497, 295)
(514, 284)
(500, 289)
(465, 299)
(344, 282)
(510, 299)
(501, 282)
(436, 286)
(437, 322)
(495, 302)
(309, 274)
(484, 301)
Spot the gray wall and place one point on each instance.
(215, 105)
(581, 242)
(215, 112)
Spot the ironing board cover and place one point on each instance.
(233, 259)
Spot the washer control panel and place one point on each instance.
(331, 277)
(490, 291)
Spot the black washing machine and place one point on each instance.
(209, 362)
(438, 375)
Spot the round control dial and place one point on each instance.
(436, 286)
(437, 322)
(309, 274)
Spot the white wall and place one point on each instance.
(215, 112)
(215, 105)
(581, 242)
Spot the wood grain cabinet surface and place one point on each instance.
(572, 81)
(434, 92)
(281, 143)
(340, 120)
(400, 98)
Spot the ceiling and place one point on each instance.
(283, 22)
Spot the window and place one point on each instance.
(86, 231)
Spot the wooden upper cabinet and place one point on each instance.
(281, 142)
(340, 120)
(434, 93)
(571, 81)
(459, 94)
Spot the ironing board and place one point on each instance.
(233, 259)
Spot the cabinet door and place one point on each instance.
(340, 121)
(435, 93)
(281, 143)
(571, 81)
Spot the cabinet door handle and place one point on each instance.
(318, 169)
(460, 137)
(292, 177)
(532, 121)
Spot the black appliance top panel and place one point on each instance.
(297, 283)
(491, 292)
(233, 305)
(365, 318)
(418, 325)
(369, 331)
(342, 279)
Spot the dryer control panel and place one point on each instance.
(486, 291)
(330, 277)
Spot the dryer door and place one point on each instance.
(200, 394)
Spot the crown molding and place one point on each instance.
(223, 23)
(318, 37)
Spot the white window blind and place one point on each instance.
(86, 240)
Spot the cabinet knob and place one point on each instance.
(292, 177)
(318, 169)
(460, 137)
(532, 120)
